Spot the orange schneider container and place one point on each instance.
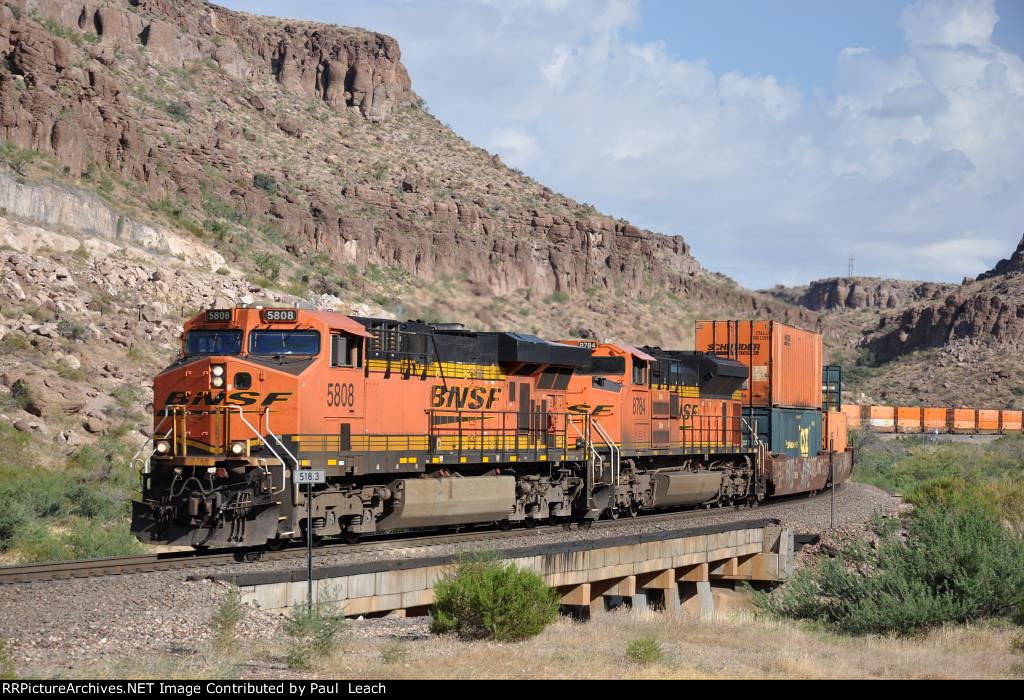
(988, 421)
(882, 419)
(835, 432)
(963, 420)
(853, 414)
(784, 361)
(908, 419)
(1011, 421)
(935, 420)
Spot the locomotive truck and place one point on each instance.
(423, 425)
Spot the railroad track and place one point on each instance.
(148, 563)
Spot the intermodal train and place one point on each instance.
(934, 420)
(419, 425)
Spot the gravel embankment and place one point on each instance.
(63, 625)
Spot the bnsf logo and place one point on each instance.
(473, 398)
(235, 398)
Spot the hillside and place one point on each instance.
(905, 342)
(162, 157)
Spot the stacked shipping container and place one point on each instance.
(783, 396)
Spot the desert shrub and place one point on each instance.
(267, 265)
(394, 652)
(265, 182)
(314, 632)
(485, 599)
(74, 508)
(67, 328)
(644, 651)
(7, 672)
(178, 110)
(954, 565)
(224, 622)
(90, 539)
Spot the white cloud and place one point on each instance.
(913, 163)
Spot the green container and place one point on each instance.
(794, 432)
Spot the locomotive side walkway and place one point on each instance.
(690, 568)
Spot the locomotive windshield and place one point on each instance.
(223, 342)
(284, 343)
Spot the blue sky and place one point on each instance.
(779, 138)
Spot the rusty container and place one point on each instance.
(853, 416)
(988, 420)
(963, 420)
(908, 419)
(881, 419)
(836, 431)
(785, 362)
(1011, 421)
(935, 420)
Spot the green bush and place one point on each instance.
(644, 651)
(7, 672)
(266, 182)
(394, 652)
(67, 328)
(486, 599)
(953, 565)
(224, 622)
(313, 632)
(74, 508)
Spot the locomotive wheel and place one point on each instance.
(634, 510)
(350, 537)
(613, 513)
(586, 524)
(504, 525)
(274, 544)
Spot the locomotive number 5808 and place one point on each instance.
(342, 395)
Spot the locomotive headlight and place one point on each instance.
(217, 370)
(237, 448)
(162, 447)
(218, 381)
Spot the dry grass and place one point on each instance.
(734, 646)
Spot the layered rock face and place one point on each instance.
(848, 293)
(83, 83)
(983, 312)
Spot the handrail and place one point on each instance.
(148, 440)
(272, 434)
(241, 414)
(613, 450)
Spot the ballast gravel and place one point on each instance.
(64, 627)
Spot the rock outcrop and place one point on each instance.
(852, 293)
(1015, 263)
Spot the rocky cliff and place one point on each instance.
(188, 101)
(1015, 263)
(854, 293)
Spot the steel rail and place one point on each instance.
(168, 561)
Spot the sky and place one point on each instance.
(778, 138)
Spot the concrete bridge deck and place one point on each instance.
(686, 568)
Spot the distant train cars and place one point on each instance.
(919, 419)
(418, 425)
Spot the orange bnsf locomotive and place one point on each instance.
(430, 425)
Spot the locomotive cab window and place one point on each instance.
(639, 372)
(284, 343)
(346, 350)
(225, 342)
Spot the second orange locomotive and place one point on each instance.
(422, 425)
